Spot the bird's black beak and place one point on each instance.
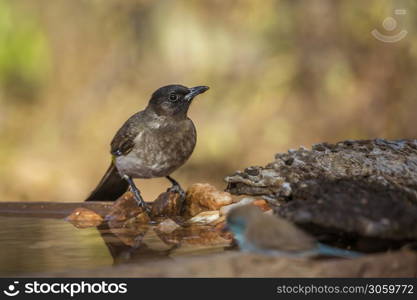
(194, 91)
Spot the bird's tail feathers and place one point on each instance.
(110, 187)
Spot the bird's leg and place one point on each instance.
(136, 194)
(176, 188)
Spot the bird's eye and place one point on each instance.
(173, 97)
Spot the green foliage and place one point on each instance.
(23, 53)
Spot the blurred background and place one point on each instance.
(282, 74)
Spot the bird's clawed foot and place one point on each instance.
(137, 195)
(140, 201)
(176, 188)
(142, 204)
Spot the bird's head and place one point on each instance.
(239, 218)
(174, 100)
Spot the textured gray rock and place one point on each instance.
(358, 189)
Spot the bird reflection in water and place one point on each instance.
(144, 243)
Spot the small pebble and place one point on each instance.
(167, 226)
(205, 217)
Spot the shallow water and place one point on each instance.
(32, 245)
(35, 245)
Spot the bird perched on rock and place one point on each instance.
(151, 143)
(266, 234)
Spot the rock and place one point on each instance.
(83, 218)
(202, 197)
(262, 204)
(219, 226)
(245, 201)
(84, 214)
(205, 217)
(383, 161)
(141, 218)
(167, 226)
(354, 207)
(354, 192)
(124, 208)
(167, 204)
(221, 219)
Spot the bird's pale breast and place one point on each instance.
(159, 149)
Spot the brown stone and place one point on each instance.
(202, 197)
(124, 208)
(141, 218)
(205, 217)
(221, 219)
(167, 226)
(83, 218)
(262, 204)
(167, 204)
(220, 228)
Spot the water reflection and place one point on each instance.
(31, 245)
(147, 243)
(127, 246)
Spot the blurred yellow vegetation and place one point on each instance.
(282, 74)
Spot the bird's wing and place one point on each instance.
(271, 233)
(123, 141)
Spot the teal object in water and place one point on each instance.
(272, 235)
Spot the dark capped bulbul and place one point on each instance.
(151, 143)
